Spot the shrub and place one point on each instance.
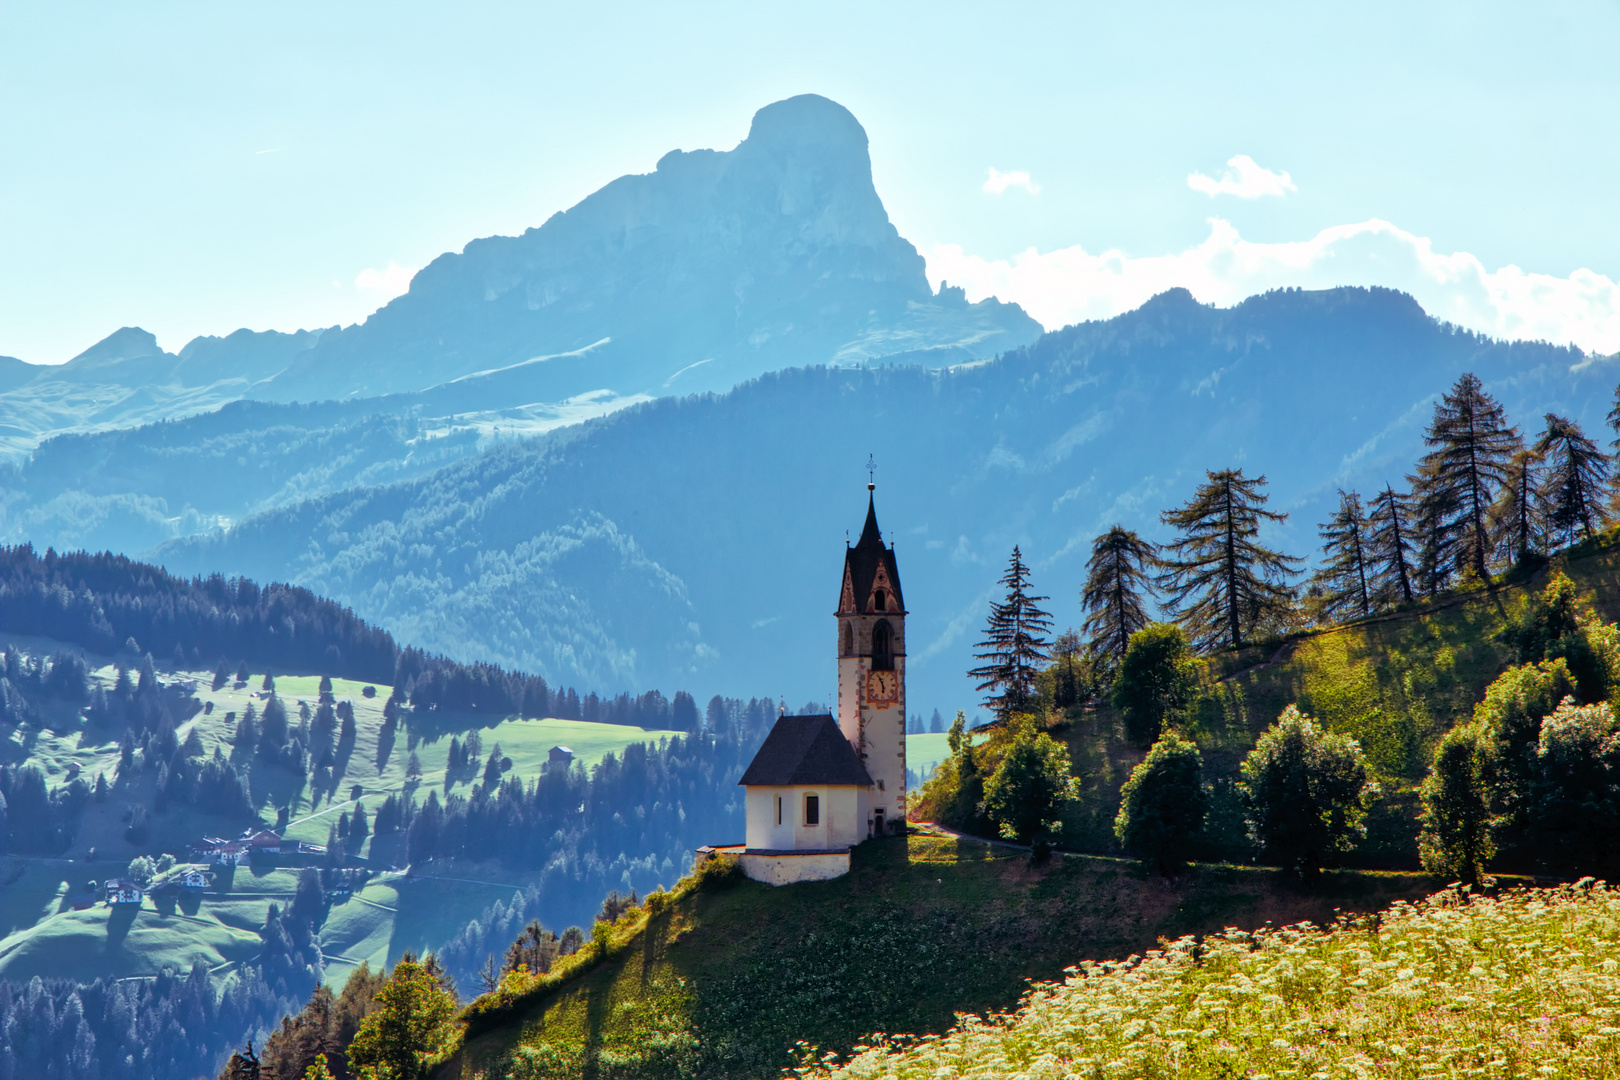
(717, 872)
(1156, 678)
(955, 793)
(1456, 837)
(1306, 792)
(1024, 797)
(1509, 718)
(1162, 805)
(1576, 823)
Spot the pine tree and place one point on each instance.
(1014, 643)
(1344, 575)
(1576, 478)
(1116, 578)
(1389, 548)
(1222, 581)
(1457, 481)
(1518, 519)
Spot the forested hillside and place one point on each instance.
(425, 787)
(636, 533)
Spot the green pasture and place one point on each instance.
(43, 933)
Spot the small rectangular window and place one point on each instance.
(812, 809)
(779, 809)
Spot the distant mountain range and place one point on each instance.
(714, 268)
(450, 493)
(696, 541)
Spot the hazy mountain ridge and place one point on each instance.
(126, 379)
(701, 534)
(715, 267)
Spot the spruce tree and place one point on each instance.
(1221, 580)
(1344, 575)
(1517, 517)
(1116, 578)
(1389, 548)
(1576, 479)
(1014, 643)
(1458, 479)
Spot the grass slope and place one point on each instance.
(724, 981)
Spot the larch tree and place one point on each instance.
(1117, 577)
(1014, 643)
(1457, 480)
(1389, 548)
(1221, 581)
(1517, 517)
(1344, 578)
(1576, 480)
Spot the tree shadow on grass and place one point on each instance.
(119, 920)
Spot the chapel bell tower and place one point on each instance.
(872, 671)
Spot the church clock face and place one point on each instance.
(882, 689)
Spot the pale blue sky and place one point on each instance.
(192, 168)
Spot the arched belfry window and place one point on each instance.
(849, 641)
(882, 646)
(880, 600)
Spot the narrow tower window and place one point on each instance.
(849, 640)
(880, 600)
(882, 646)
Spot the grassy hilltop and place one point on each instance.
(726, 977)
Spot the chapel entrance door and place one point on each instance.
(877, 823)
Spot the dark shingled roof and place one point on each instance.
(861, 565)
(806, 750)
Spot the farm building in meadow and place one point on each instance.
(263, 842)
(560, 757)
(818, 785)
(211, 849)
(124, 891)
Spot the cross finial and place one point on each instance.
(871, 472)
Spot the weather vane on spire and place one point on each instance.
(871, 472)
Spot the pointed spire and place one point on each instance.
(870, 533)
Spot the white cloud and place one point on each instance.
(998, 181)
(1245, 179)
(387, 283)
(1070, 284)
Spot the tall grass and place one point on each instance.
(1525, 984)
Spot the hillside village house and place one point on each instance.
(124, 891)
(212, 849)
(819, 785)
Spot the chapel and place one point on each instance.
(819, 785)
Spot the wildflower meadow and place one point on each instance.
(1522, 984)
